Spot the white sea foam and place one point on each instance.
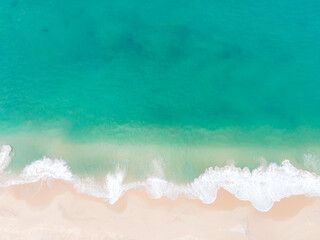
(262, 186)
(4, 157)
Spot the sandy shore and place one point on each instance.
(37, 211)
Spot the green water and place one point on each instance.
(191, 84)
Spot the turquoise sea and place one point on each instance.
(166, 88)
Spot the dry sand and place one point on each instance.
(36, 211)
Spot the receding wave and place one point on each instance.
(262, 186)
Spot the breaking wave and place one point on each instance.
(262, 186)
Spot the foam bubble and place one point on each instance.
(262, 186)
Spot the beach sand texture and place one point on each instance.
(53, 210)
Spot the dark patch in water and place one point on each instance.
(107, 58)
(90, 33)
(66, 22)
(14, 4)
(129, 44)
(230, 52)
(178, 48)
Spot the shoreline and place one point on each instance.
(54, 210)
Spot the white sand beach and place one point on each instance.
(55, 211)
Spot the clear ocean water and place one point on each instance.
(160, 87)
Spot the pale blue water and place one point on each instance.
(180, 81)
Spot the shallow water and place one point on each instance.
(176, 86)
